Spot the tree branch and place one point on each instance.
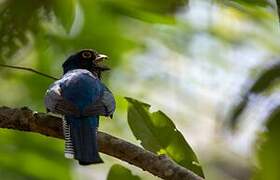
(159, 165)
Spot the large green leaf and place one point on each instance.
(268, 154)
(119, 172)
(158, 134)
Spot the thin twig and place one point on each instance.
(29, 69)
(159, 165)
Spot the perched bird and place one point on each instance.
(81, 98)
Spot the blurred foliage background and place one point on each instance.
(203, 63)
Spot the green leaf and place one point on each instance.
(159, 7)
(40, 158)
(268, 76)
(18, 18)
(268, 154)
(152, 11)
(118, 172)
(253, 2)
(65, 12)
(158, 134)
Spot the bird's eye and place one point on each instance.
(86, 55)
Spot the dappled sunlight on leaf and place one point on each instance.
(160, 136)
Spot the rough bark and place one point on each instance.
(25, 119)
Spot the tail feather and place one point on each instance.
(83, 133)
(69, 150)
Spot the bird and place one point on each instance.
(81, 98)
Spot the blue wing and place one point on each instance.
(102, 104)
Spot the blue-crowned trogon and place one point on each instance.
(81, 98)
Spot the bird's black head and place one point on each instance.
(87, 59)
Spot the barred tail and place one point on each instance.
(69, 150)
(81, 139)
